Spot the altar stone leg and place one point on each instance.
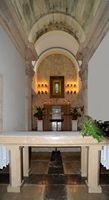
(15, 169)
(84, 161)
(93, 169)
(26, 161)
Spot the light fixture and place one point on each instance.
(74, 92)
(42, 88)
(71, 88)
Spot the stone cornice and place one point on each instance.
(11, 24)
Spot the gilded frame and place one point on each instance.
(56, 86)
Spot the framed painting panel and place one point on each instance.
(56, 86)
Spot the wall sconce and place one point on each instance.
(71, 88)
(42, 92)
(42, 88)
(74, 92)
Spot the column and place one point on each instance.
(93, 169)
(84, 161)
(28, 113)
(15, 169)
(26, 162)
(84, 78)
(1, 102)
(28, 95)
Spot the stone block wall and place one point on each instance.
(57, 65)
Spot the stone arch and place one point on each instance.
(57, 51)
(52, 51)
(57, 21)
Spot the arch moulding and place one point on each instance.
(52, 51)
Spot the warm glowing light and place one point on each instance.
(74, 92)
(71, 87)
(42, 88)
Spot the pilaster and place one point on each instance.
(1, 102)
(28, 94)
(84, 78)
(28, 109)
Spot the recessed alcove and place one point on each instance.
(63, 69)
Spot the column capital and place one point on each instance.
(82, 55)
(30, 53)
(83, 73)
(28, 68)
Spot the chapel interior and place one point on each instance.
(53, 56)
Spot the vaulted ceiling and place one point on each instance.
(86, 20)
(73, 16)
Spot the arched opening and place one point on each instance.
(57, 63)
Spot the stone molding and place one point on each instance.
(59, 21)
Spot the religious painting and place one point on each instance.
(57, 86)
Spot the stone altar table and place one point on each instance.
(89, 146)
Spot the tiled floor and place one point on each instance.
(64, 183)
(37, 192)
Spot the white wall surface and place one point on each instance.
(13, 70)
(98, 82)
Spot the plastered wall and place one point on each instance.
(98, 82)
(12, 70)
